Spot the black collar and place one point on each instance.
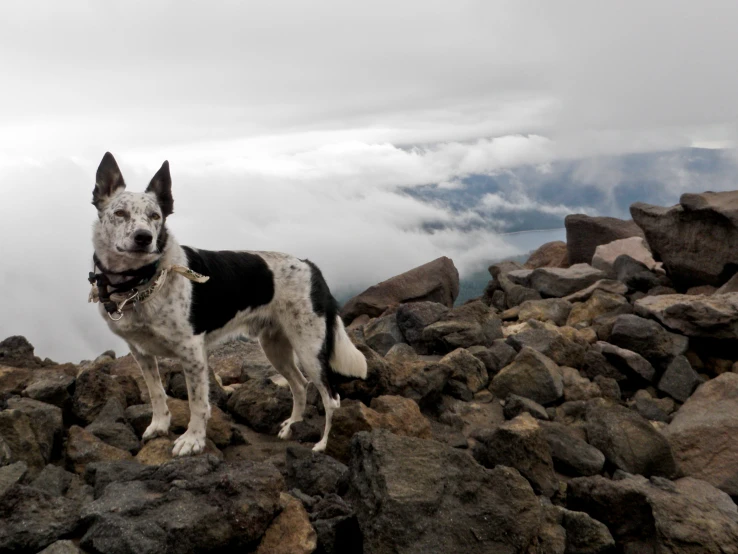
(138, 277)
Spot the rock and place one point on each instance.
(555, 310)
(33, 519)
(83, 448)
(383, 333)
(219, 428)
(560, 282)
(648, 339)
(585, 535)
(464, 326)
(398, 415)
(467, 369)
(12, 474)
(635, 275)
(290, 532)
(46, 422)
(570, 454)
(18, 440)
(110, 426)
(436, 281)
(516, 405)
(609, 387)
(577, 387)
(713, 316)
(313, 473)
(515, 295)
(238, 360)
(16, 351)
(551, 254)
(413, 317)
(187, 505)
(52, 387)
(495, 357)
(627, 362)
(56, 481)
(519, 443)
(633, 247)
(531, 375)
(261, 405)
(158, 451)
(139, 417)
(564, 348)
(683, 516)
(677, 237)
(702, 433)
(520, 277)
(14, 379)
(601, 303)
(679, 379)
(605, 285)
(420, 381)
(93, 390)
(628, 441)
(399, 484)
(61, 547)
(585, 233)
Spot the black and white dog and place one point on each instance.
(174, 301)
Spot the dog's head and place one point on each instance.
(130, 231)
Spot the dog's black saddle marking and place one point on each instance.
(238, 281)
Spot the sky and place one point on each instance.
(299, 126)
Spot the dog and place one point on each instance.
(175, 301)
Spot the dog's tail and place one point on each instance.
(346, 358)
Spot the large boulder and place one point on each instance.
(713, 316)
(519, 443)
(585, 233)
(634, 247)
(398, 415)
(46, 422)
(558, 282)
(677, 236)
(647, 338)
(418, 496)
(261, 405)
(629, 441)
(551, 254)
(383, 333)
(532, 375)
(562, 344)
(703, 433)
(436, 281)
(413, 317)
(187, 505)
(572, 455)
(16, 351)
(18, 441)
(467, 325)
(687, 516)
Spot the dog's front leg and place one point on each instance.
(196, 375)
(160, 416)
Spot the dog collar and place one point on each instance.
(142, 286)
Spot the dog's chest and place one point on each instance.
(160, 326)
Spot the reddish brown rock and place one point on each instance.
(551, 254)
(436, 281)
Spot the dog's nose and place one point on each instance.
(143, 238)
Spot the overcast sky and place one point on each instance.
(292, 125)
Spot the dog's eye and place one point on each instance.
(155, 216)
(120, 213)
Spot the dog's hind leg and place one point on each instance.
(316, 372)
(279, 352)
(160, 417)
(195, 365)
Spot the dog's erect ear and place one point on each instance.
(161, 187)
(107, 181)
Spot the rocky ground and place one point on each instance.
(587, 402)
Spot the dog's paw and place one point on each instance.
(157, 428)
(189, 444)
(320, 446)
(285, 432)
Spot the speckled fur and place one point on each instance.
(287, 327)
